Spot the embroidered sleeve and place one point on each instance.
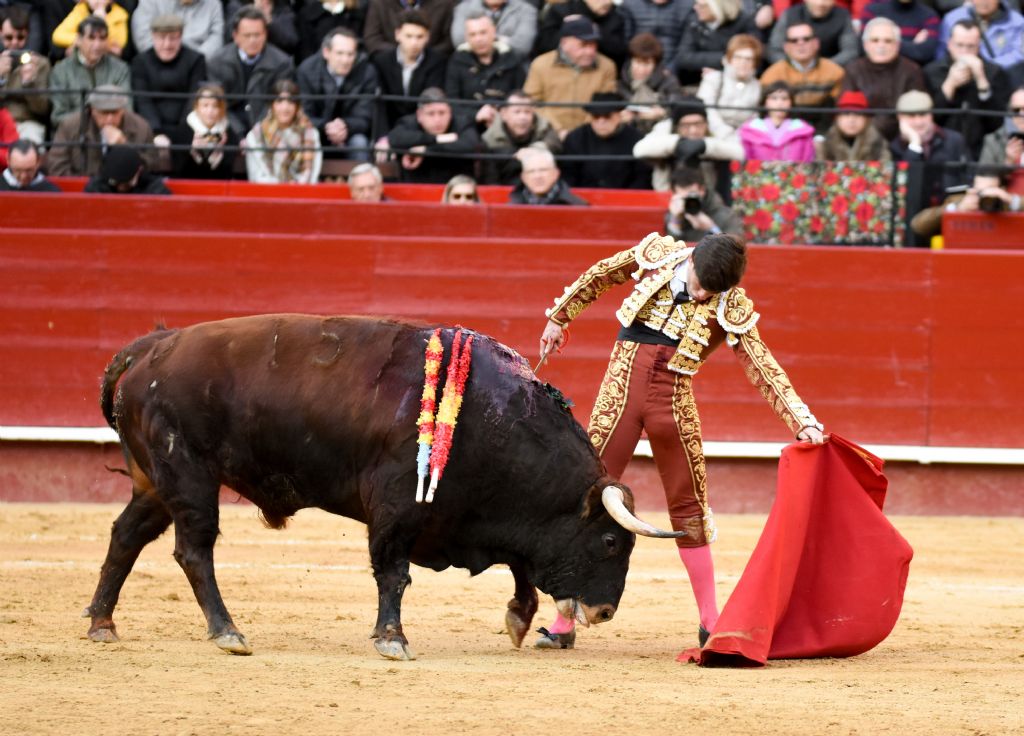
(736, 314)
(595, 281)
(773, 383)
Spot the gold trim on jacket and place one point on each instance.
(700, 328)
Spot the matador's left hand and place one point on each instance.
(812, 435)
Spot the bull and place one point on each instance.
(296, 411)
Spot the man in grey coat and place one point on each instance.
(89, 66)
(247, 68)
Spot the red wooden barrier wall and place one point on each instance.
(895, 347)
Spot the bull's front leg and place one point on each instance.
(522, 607)
(392, 578)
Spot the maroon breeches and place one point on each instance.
(639, 393)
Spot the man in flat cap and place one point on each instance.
(83, 137)
(571, 73)
(203, 21)
(123, 172)
(90, 65)
(164, 76)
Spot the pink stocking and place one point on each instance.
(561, 625)
(701, 571)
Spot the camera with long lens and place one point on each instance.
(991, 204)
(691, 204)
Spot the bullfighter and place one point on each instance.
(684, 303)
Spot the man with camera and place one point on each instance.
(694, 212)
(23, 71)
(987, 193)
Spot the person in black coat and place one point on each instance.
(282, 30)
(610, 20)
(205, 146)
(337, 84)
(541, 182)
(412, 35)
(962, 79)
(421, 141)
(483, 69)
(249, 82)
(122, 172)
(604, 135)
(315, 20)
(937, 156)
(168, 67)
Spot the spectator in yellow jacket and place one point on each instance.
(115, 16)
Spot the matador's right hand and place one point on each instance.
(552, 339)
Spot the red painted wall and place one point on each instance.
(901, 347)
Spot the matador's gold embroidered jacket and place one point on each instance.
(700, 328)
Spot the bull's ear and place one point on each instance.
(592, 503)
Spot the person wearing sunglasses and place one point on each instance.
(814, 81)
(460, 190)
(831, 25)
(1005, 146)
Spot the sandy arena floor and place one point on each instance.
(306, 600)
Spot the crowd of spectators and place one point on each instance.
(620, 93)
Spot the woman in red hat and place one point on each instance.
(852, 137)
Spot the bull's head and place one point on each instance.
(588, 576)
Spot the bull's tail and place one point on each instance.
(119, 364)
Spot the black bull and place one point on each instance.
(297, 411)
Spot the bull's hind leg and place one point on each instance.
(522, 607)
(196, 516)
(144, 519)
(391, 571)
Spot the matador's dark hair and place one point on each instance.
(720, 260)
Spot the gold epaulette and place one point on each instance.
(658, 250)
(736, 314)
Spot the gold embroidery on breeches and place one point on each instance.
(613, 394)
(687, 419)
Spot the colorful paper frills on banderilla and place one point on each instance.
(435, 435)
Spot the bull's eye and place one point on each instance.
(611, 542)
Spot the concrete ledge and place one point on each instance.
(751, 450)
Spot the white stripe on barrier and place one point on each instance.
(894, 453)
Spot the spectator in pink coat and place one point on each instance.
(775, 136)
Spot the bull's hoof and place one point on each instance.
(393, 648)
(104, 635)
(87, 612)
(516, 627)
(233, 643)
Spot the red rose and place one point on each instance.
(831, 178)
(840, 205)
(753, 167)
(817, 224)
(798, 181)
(857, 185)
(762, 219)
(865, 211)
(789, 212)
(769, 192)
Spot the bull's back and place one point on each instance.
(298, 401)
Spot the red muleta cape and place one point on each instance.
(828, 573)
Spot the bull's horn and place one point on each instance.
(613, 502)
